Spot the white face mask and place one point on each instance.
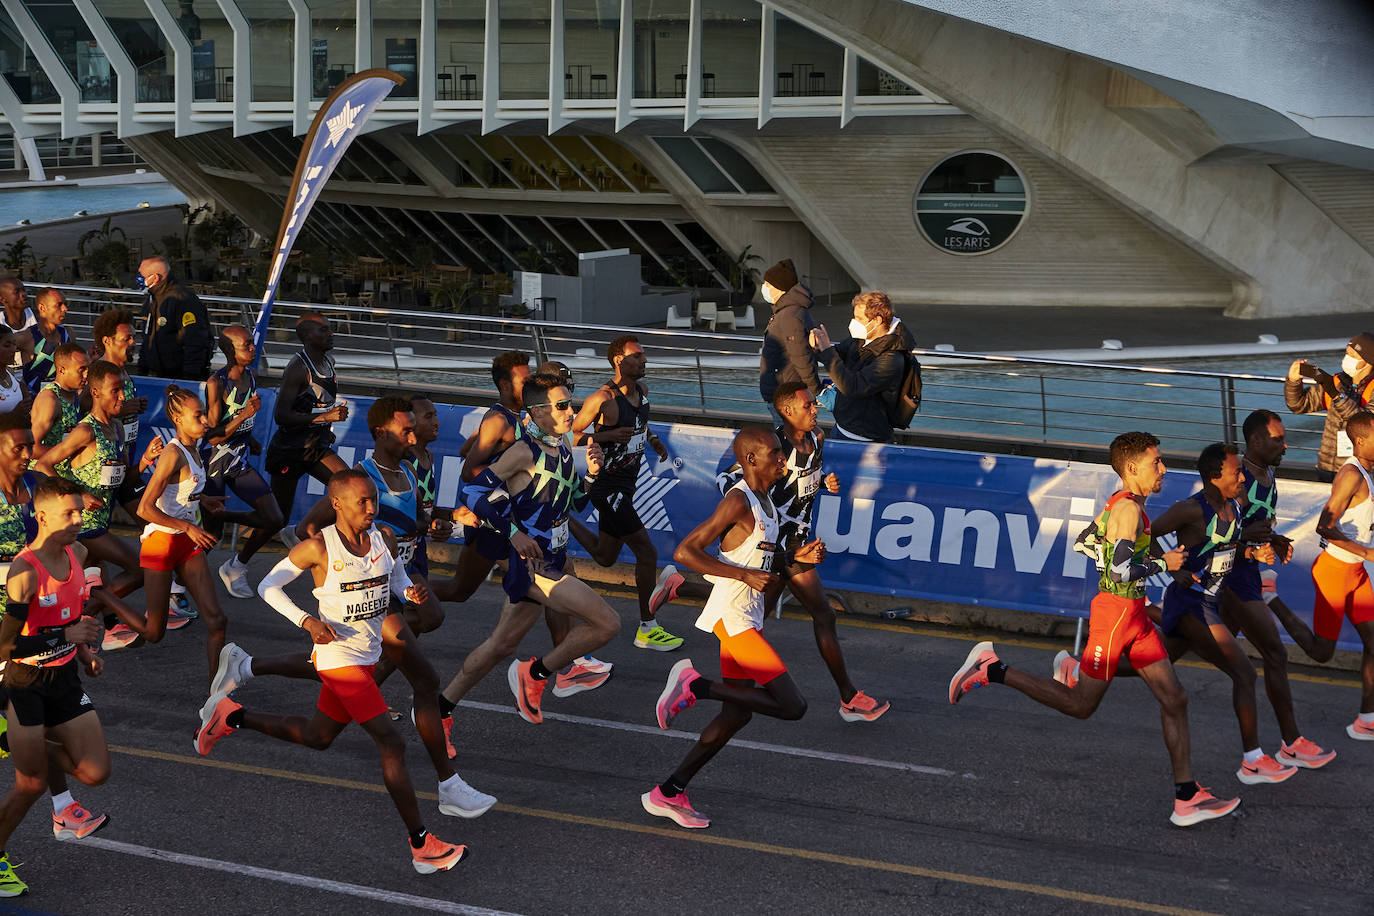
(1350, 365)
(857, 329)
(771, 294)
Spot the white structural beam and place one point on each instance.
(243, 66)
(120, 63)
(693, 88)
(427, 63)
(362, 37)
(767, 61)
(302, 88)
(491, 66)
(183, 77)
(13, 110)
(849, 87)
(557, 84)
(625, 67)
(52, 65)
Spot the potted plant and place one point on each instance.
(104, 252)
(453, 296)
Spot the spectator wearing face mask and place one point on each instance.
(1340, 395)
(866, 369)
(787, 355)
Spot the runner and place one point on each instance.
(92, 455)
(1346, 526)
(17, 315)
(436, 522)
(1244, 601)
(307, 404)
(1208, 527)
(46, 334)
(1118, 626)
(57, 405)
(19, 528)
(13, 394)
(174, 539)
(753, 677)
(619, 413)
(355, 578)
(43, 637)
(794, 496)
(527, 494)
(232, 405)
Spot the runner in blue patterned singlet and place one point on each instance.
(232, 404)
(57, 406)
(1207, 525)
(113, 333)
(44, 338)
(526, 495)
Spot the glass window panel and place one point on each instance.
(590, 48)
(694, 163)
(396, 42)
(524, 49)
(272, 47)
(21, 70)
(660, 43)
(730, 31)
(141, 38)
(740, 169)
(333, 44)
(807, 63)
(874, 80)
(628, 164)
(212, 47)
(461, 33)
(68, 35)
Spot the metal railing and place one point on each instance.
(979, 399)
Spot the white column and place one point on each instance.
(767, 62)
(301, 88)
(362, 38)
(120, 63)
(96, 151)
(183, 76)
(428, 65)
(693, 66)
(243, 66)
(557, 87)
(850, 87)
(625, 70)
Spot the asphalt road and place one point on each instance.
(997, 805)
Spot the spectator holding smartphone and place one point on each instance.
(1341, 395)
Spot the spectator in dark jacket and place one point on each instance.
(866, 369)
(177, 339)
(787, 355)
(1341, 395)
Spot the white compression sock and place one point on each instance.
(60, 802)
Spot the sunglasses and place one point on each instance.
(556, 405)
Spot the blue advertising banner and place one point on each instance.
(931, 524)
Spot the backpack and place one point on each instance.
(906, 400)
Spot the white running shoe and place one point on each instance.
(235, 579)
(592, 663)
(459, 798)
(229, 676)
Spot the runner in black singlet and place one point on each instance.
(45, 336)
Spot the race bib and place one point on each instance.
(247, 424)
(405, 550)
(130, 429)
(809, 484)
(111, 475)
(558, 537)
(1344, 447)
(767, 552)
(1218, 566)
(636, 444)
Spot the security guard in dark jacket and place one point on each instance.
(866, 369)
(177, 339)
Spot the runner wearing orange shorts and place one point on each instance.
(1339, 577)
(753, 677)
(1118, 625)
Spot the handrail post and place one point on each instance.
(1044, 411)
(1228, 410)
(395, 359)
(701, 381)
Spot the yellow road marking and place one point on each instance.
(811, 855)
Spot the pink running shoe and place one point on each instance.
(448, 737)
(1066, 669)
(1360, 730)
(676, 807)
(528, 690)
(1204, 806)
(862, 708)
(436, 855)
(665, 589)
(579, 678)
(677, 693)
(1306, 754)
(1269, 585)
(1266, 769)
(212, 724)
(974, 673)
(76, 823)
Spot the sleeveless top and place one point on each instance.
(1356, 522)
(231, 454)
(620, 464)
(68, 415)
(354, 599)
(18, 524)
(41, 368)
(1105, 583)
(27, 322)
(102, 475)
(794, 494)
(731, 602)
(12, 394)
(181, 498)
(319, 394)
(426, 490)
(397, 511)
(54, 605)
(1213, 558)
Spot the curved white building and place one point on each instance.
(1100, 153)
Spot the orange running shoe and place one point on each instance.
(76, 823)
(528, 690)
(448, 737)
(436, 855)
(579, 678)
(212, 724)
(862, 708)
(1265, 769)
(974, 673)
(1203, 806)
(1360, 730)
(665, 589)
(1306, 754)
(1066, 669)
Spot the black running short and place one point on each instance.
(616, 514)
(243, 479)
(46, 696)
(130, 492)
(296, 462)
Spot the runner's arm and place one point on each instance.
(594, 409)
(70, 446)
(1123, 524)
(1343, 490)
(292, 384)
(19, 592)
(483, 447)
(320, 517)
(488, 494)
(691, 552)
(272, 588)
(45, 408)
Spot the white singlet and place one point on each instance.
(11, 395)
(354, 599)
(181, 499)
(1356, 522)
(732, 602)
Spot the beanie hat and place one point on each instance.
(783, 276)
(1363, 344)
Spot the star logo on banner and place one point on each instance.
(342, 123)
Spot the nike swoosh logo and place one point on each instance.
(374, 559)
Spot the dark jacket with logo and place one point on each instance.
(867, 375)
(177, 339)
(787, 355)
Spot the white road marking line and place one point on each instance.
(751, 745)
(285, 877)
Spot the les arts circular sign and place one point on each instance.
(970, 203)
